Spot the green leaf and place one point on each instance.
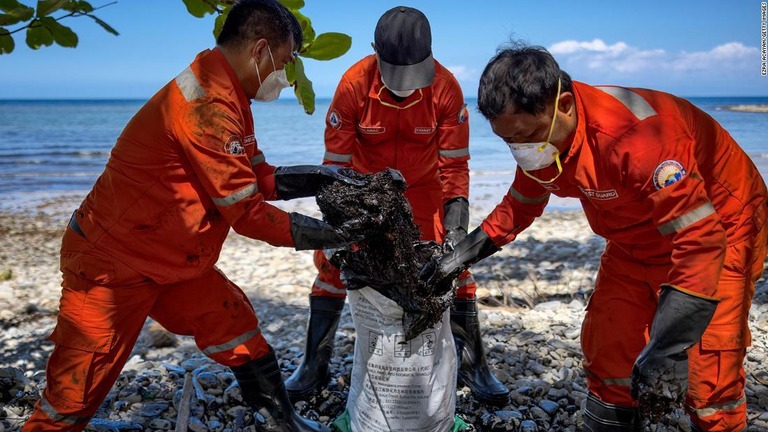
(62, 34)
(9, 5)
(84, 7)
(16, 15)
(104, 25)
(47, 7)
(306, 28)
(6, 42)
(290, 72)
(219, 24)
(303, 88)
(38, 35)
(198, 8)
(70, 6)
(328, 46)
(292, 4)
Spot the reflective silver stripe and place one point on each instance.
(338, 157)
(633, 101)
(617, 381)
(56, 416)
(236, 197)
(716, 408)
(189, 86)
(257, 159)
(465, 281)
(233, 343)
(525, 200)
(454, 153)
(328, 287)
(687, 219)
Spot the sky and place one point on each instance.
(689, 48)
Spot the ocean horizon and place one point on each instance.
(50, 147)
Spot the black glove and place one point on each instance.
(456, 222)
(660, 373)
(306, 180)
(439, 274)
(310, 233)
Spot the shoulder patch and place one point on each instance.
(334, 119)
(463, 114)
(234, 146)
(668, 173)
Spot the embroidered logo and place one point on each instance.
(234, 146)
(423, 130)
(371, 129)
(599, 194)
(550, 186)
(334, 119)
(463, 114)
(667, 173)
(250, 139)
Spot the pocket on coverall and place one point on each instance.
(80, 359)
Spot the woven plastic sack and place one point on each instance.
(399, 385)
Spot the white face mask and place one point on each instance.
(273, 84)
(402, 93)
(535, 156)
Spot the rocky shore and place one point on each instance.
(533, 294)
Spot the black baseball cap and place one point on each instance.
(404, 44)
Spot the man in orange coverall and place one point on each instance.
(145, 241)
(683, 210)
(402, 109)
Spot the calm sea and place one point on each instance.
(49, 147)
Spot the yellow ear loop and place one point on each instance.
(544, 145)
(387, 104)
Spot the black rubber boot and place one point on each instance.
(262, 387)
(473, 369)
(312, 373)
(600, 416)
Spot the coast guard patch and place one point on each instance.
(234, 146)
(463, 114)
(334, 119)
(667, 173)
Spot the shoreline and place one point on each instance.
(747, 108)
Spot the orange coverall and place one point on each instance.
(679, 203)
(428, 142)
(185, 169)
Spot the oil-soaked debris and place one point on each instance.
(390, 256)
(660, 396)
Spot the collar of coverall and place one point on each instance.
(577, 136)
(218, 59)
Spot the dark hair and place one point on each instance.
(520, 77)
(249, 20)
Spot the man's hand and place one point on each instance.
(660, 373)
(306, 180)
(456, 221)
(310, 233)
(438, 274)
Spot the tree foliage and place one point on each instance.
(325, 46)
(42, 28)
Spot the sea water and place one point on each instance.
(51, 147)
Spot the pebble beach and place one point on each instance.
(532, 297)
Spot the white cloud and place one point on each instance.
(464, 73)
(623, 59)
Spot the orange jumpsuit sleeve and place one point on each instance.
(341, 126)
(656, 158)
(453, 141)
(206, 129)
(524, 202)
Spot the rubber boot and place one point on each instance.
(600, 416)
(261, 385)
(312, 373)
(473, 368)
